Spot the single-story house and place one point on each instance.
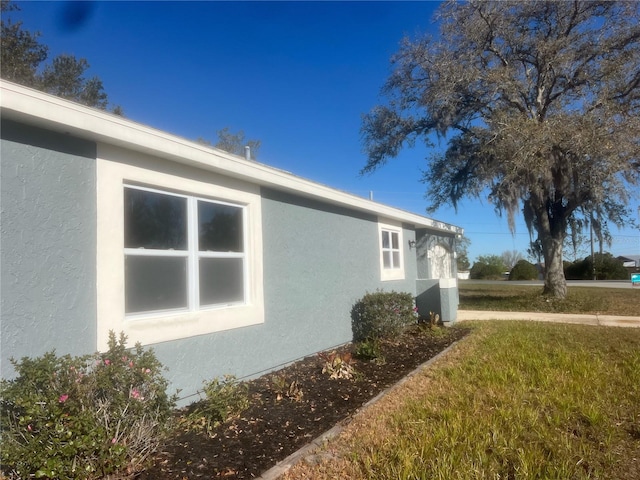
(222, 264)
(630, 262)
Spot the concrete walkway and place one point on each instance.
(605, 320)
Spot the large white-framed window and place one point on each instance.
(179, 250)
(391, 253)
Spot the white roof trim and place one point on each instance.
(40, 109)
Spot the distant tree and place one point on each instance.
(579, 270)
(20, 51)
(233, 143)
(607, 267)
(510, 258)
(539, 103)
(462, 253)
(489, 267)
(523, 270)
(64, 77)
(23, 57)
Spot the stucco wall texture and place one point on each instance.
(48, 244)
(319, 260)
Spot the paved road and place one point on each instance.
(570, 283)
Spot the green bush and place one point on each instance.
(606, 268)
(578, 270)
(489, 267)
(224, 398)
(371, 351)
(83, 417)
(382, 315)
(523, 270)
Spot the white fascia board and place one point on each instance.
(47, 111)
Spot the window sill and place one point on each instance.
(392, 275)
(167, 326)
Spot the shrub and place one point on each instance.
(490, 267)
(284, 388)
(606, 268)
(370, 350)
(337, 365)
(578, 270)
(83, 417)
(224, 398)
(382, 315)
(523, 270)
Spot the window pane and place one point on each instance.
(386, 259)
(221, 281)
(394, 240)
(385, 239)
(155, 283)
(219, 227)
(154, 220)
(396, 259)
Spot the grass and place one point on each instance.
(521, 298)
(514, 400)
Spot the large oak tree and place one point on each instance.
(539, 103)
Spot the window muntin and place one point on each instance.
(182, 252)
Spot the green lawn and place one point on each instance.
(509, 297)
(515, 400)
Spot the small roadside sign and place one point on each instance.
(635, 279)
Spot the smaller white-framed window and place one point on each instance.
(391, 253)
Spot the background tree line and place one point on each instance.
(603, 266)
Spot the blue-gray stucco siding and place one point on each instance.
(318, 260)
(48, 243)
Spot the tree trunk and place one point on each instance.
(555, 285)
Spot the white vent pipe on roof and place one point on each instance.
(247, 152)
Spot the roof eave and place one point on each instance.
(36, 108)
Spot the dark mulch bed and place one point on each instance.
(272, 428)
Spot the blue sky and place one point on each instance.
(295, 75)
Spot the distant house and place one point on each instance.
(223, 265)
(630, 262)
